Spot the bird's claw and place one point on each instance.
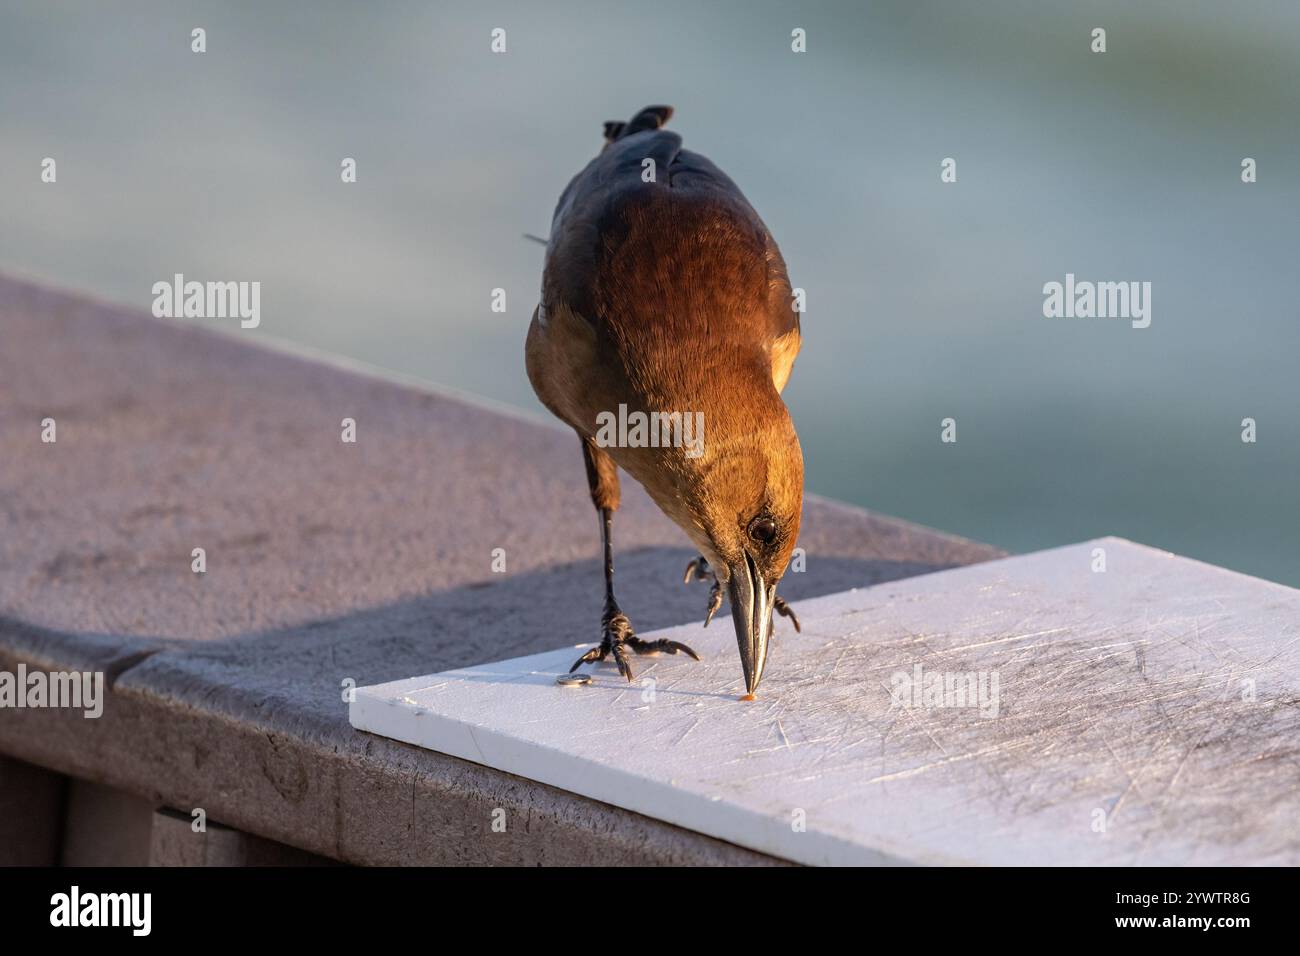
(661, 646)
(618, 637)
(715, 601)
(617, 631)
(698, 570)
(593, 656)
(786, 610)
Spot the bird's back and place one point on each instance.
(662, 269)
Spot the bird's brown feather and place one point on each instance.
(673, 296)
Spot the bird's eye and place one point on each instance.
(763, 530)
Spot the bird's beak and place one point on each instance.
(751, 607)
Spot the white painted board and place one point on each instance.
(1145, 714)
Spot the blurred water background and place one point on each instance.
(924, 299)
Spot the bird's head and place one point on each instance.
(740, 501)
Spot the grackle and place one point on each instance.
(664, 292)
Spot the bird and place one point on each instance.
(664, 292)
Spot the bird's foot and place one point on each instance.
(698, 570)
(785, 610)
(618, 638)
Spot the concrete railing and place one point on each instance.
(326, 564)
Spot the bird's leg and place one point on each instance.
(698, 570)
(617, 636)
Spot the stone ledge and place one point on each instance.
(326, 561)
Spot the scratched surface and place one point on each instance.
(1147, 714)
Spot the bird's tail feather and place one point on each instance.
(652, 117)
